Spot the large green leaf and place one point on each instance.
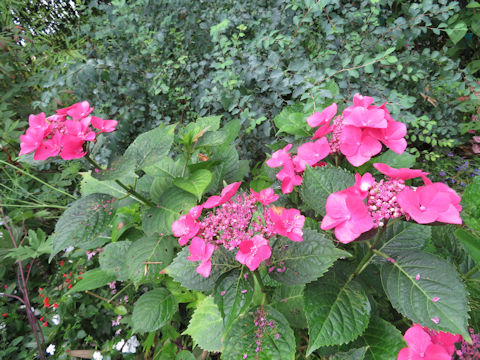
(157, 251)
(90, 185)
(289, 301)
(196, 183)
(215, 138)
(337, 310)
(153, 310)
(457, 31)
(303, 261)
(120, 168)
(160, 218)
(404, 235)
(229, 170)
(320, 182)
(150, 147)
(113, 260)
(206, 326)
(391, 158)
(166, 167)
(276, 343)
(233, 294)
(83, 223)
(184, 271)
(292, 120)
(415, 298)
(92, 279)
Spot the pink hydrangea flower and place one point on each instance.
(38, 122)
(252, 252)
(31, 140)
(358, 145)
(402, 173)
(363, 183)
(227, 194)
(49, 148)
(265, 197)
(287, 222)
(77, 111)
(348, 214)
(104, 125)
(311, 153)
(421, 347)
(185, 228)
(393, 136)
(201, 251)
(288, 177)
(72, 148)
(279, 157)
(323, 117)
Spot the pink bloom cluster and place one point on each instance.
(470, 351)
(358, 133)
(63, 133)
(236, 223)
(347, 212)
(427, 344)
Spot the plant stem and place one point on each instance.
(128, 189)
(119, 292)
(257, 275)
(37, 179)
(471, 272)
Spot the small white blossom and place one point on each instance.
(97, 356)
(69, 249)
(120, 345)
(131, 345)
(56, 319)
(50, 349)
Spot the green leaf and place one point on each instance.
(206, 326)
(184, 271)
(382, 339)
(184, 355)
(92, 279)
(160, 218)
(457, 32)
(404, 235)
(413, 298)
(229, 170)
(289, 301)
(196, 183)
(82, 223)
(473, 5)
(233, 294)
(475, 26)
(166, 167)
(473, 66)
(150, 147)
(113, 261)
(153, 310)
(471, 243)
(319, 183)
(471, 205)
(354, 354)
(337, 310)
(292, 120)
(209, 123)
(277, 343)
(90, 185)
(153, 249)
(120, 168)
(215, 138)
(304, 261)
(391, 158)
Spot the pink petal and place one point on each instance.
(204, 268)
(321, 118)
(417, 339)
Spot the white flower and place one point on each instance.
(131, 345)
(56, 319)
(120, 345)
(69, 249)
(50, 349)
(3, 326)
(97, 355)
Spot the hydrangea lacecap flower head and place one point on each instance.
(265, 196)
(64, 133)
(288, 222)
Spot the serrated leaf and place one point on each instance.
(120, 168)
(383, 340)
(292, 120)
(337, 310)
(90, 185)
(184, 271)
(209, 123)
(289, 301)
(233, 294)
(457, 32)
(166, 167)
(413, 298)
(206, 326)
(277, 343)
(354, 354)
(304, 261)
(196, 183)
(113, 261)
(82, 223)
(157, 251)
(151, 146)
(228, 169)
(92, 279)
(159, 219)
(404, 235)
(153, 310)
(215, 138)
(319, 183)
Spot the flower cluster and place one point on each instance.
(424, 343)
(63, 133)
(470, 351)
(236, 223)
(358, 133)
(347, 212)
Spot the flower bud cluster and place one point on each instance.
(382, 201)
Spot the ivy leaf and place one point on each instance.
(151, 249)
(304, 261)
(292, 120)
(206, 326)
(233, 294)
(414, 298)
(151, 146)
(289, 301)
(337, 310)
(184, 271)
(153, 310)
(82, 223)
(92, 279)
(319, 183)
(196, 183)
(404, 235)
(113, 261)
(276, 343)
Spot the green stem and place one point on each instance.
(471, 272)
(128, 189)
(257, 275)
(391, 222)
(118, 293)
(37, 179)
(35, 206)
